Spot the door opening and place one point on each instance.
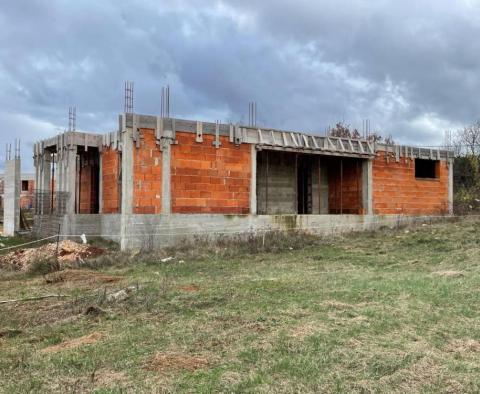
(304, 185)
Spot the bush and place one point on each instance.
(43, 266)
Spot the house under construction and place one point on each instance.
(157, 180)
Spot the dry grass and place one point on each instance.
(168, 361)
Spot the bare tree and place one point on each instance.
(467, 140)
(343, 130)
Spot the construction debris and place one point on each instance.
(121, 295)
(68, 252)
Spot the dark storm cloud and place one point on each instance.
(410, 66)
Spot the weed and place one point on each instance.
(43, 266)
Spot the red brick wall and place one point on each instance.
(147, 174)
(209, 180)
(397, 191)
(345, 191)
(110, 185)
(26, 197)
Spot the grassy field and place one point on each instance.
(392, 311)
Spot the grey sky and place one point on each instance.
(412, 67)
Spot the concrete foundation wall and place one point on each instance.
(108, 226)
(157, 231)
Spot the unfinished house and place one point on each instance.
(156, 181)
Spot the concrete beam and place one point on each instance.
(12, 185)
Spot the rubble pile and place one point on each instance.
(68, 252)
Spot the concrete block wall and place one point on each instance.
(205, 179)
(276, 191)
(147, 174)
(110, 180)
(397, 191)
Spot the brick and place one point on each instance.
(199, 169)
(396, 190)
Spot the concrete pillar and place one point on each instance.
(59, 175)
(253, 181)
(11, 210)
(127, 179)
(450, 186)
(36, 162)
(367, 186)
(166, 176)
(69, 182)
(45, 182)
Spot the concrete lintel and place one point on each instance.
(419, 153)
(74, 138)
(315, 152)
(190, 126)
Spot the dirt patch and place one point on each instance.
(449, 274)
(189, 288)
(108, 378)
(464, 345)
(73, 275)
(162, 362)
(68, 252)
(89, 339)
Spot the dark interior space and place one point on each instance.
(305, 184)
(426, 168)
(297, 183)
